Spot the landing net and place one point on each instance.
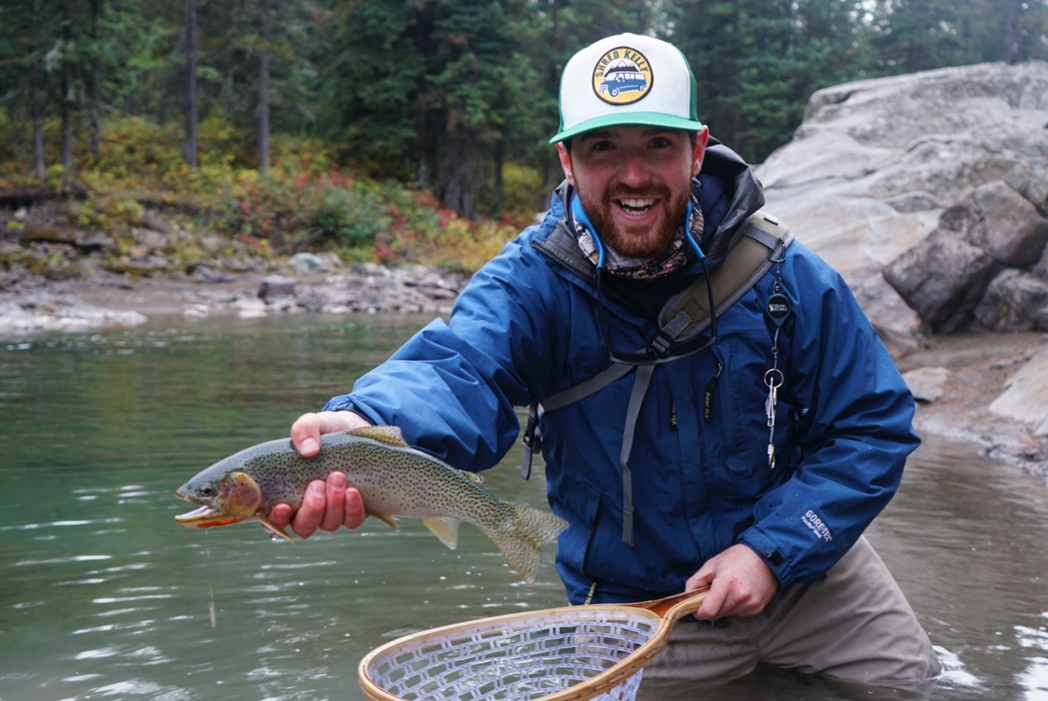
(515, 657)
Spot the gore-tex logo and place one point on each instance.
(817, 526)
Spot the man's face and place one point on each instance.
(634, 183)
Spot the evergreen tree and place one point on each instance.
(757, 62)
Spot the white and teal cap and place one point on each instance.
(627, 80)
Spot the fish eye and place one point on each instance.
(208, 490)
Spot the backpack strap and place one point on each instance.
(752, 253)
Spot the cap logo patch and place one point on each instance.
(622, 76)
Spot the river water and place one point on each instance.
(104, 596)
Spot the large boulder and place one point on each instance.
(1014, 301)
(876, 163)
(944, 277)
(944, 302)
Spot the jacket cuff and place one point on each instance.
(345, 403)
(767, 549)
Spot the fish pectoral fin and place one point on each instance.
(273, 529)
(386, 519)
(390, 435)
(447, 529)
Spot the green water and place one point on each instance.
(103, 595)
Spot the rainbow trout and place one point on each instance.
(393, 479)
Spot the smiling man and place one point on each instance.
(746, 449)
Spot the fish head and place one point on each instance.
(224, 499)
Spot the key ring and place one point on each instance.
(770, 379)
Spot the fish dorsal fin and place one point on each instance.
(474, 477)
(389, 435)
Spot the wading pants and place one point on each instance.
(854, 625)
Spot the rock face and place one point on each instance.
(936, 183)
(1025, 398)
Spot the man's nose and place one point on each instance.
(635, 170)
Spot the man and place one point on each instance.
(751, 459)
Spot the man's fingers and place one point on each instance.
(700, 579)
(355, 511)
(307, 518)
(713, 604)
(280, 515)
(305, 434)
(307, 429)
(336, 502)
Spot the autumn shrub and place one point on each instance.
(304, 199)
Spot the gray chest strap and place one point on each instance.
(757, 248)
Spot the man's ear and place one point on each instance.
(565, 162)
(700, 150)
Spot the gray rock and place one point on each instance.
(277, 286)
(149, 239)
(927, 383)
(305, 262)
(1025, 398)
(1008, 225)
(909, 202)
(204, 274)
(865, 177)
(1041, 269)
(47, 312)
(942, 278)
(1014, 301)
(1031, 181)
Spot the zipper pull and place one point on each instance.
(673, 416)
(707, 402)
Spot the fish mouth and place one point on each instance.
(206, 516)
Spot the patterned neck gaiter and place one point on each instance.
(672, 259)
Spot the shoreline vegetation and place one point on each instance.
(139, 188)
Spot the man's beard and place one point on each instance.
(640, 241)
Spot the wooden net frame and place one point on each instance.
(570, 653)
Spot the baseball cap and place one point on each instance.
(626, 80)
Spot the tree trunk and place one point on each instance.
(34, 100)
(94, 104)
(455, 167)
(263, 92)
(66, 157)
(500, 159)
(190, 149)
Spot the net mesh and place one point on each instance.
(525, 659)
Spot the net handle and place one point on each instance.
(669, 609)
(677, 606)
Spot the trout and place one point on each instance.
(393, 479)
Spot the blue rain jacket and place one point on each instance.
(526, 327)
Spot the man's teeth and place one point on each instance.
(636, 205)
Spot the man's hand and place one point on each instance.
(325, 505)
(741, 584)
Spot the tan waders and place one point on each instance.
(854, 625)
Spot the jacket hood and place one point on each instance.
(742, 189)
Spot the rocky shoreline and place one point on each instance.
(37, 304)
(956, 378)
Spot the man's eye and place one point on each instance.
(660, 142)
(602, 146)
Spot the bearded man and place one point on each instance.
(748, 452)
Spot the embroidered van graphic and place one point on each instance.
(622, 76)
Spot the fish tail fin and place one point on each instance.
(532, 529)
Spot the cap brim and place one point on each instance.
(631, 119)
